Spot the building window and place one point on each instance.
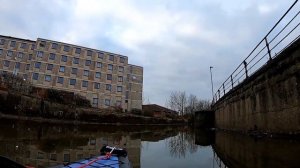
(66, 48)
(64, 58)
(75, 60)
(40, 155)
(2, 41)
(95, 101)
(53, 157)
(1, 51)
(17, 66)
(35, 76)
(12, 43)
(127, 94)
(40, 54)
(20, 55)
(25, 77)
(23, 45)
(110, 67)
(109, 77)
(52, 56)
(66, 157)
(84, 83)
(128, 77)
(74, 71)
(120, 78)
(77, 50)
(50, 67)
(32, 46)
(48, 78)
(86, 73)
(99, 65)
(122, 59)
(30, 57)
(111, 57)
(88, 62)
(79, 156)
(98, 75)
(60, 80)
(72, 81)
(119, 88)
(96, 85)
(37, 65)
(27, 66)
(9, 53)
(107, 102)
(108, 87)
(6, 63)
(42, 43)
(119, 103)
(121, 69)
(62, 69)
(129, 87)
(89, 53)
(101, 55)
(54, 46)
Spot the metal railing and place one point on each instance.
(285, 32)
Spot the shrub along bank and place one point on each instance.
(20, 98)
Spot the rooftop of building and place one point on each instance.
(15, 38)
(155, 107)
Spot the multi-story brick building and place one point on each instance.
(106, 79)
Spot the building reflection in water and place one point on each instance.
(44, 145)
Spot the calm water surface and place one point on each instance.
(45, 145)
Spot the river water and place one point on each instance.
(45, 145)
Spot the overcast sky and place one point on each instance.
(176, 41)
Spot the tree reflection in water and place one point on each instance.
(181, 144)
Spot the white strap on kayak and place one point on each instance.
(112, 150)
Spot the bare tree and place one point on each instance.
(192, 104)
(203, 105)
(177, 102)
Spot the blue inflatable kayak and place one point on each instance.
(111, 157)
(100, 161)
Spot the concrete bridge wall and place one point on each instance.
(267, 101)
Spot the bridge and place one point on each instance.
(263, 92)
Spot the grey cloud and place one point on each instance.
(175, 42)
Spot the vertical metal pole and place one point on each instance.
(245, 66)
(219, 93)
(269, 52)
(224, 88)
(231, 81)
(212, 84)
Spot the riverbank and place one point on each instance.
(14, 105)
(19, 99)
(78, 122)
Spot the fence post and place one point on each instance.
(245, 66)
(269, 52)
(231, 81)
(224, 88)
